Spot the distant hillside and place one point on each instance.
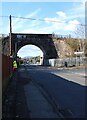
(28, 57)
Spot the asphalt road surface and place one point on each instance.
(66, 87)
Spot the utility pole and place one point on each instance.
(10, 71)
(10, 35)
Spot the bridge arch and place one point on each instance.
(31, 51)
(40, 47)
(43, 41)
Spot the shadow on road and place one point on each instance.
(67, 94)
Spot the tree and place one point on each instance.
(3, 40)
(85, 50)
(73, 43)
(80, 34)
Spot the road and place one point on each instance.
(46, 92)
(66, 87)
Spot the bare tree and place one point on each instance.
(80, 35)
(2, 42)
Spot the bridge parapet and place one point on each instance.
(43, 41)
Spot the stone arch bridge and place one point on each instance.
(43, 41)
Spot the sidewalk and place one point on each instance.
(68, 67)
(24, 100)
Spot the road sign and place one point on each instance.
(78, 53)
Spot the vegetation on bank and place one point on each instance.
(75, 45)
(85, 46)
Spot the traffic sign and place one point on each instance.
(78, 53)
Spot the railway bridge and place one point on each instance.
(43, 41)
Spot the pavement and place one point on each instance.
(23, 99)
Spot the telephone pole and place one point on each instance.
(10, 35)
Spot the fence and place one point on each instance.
(6, 71)
(61, 36)
(66, 62)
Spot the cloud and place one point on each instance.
(78, 11)
(61, 14)
(20, 23)
(53, 27)
(68, 21)
(33, 14)
(63, 22)
(53, 20)
(72, 25)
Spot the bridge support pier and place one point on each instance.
(45, 62)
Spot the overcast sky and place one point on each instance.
(66, 17)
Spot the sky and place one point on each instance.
(30, 51)
(62, 18)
